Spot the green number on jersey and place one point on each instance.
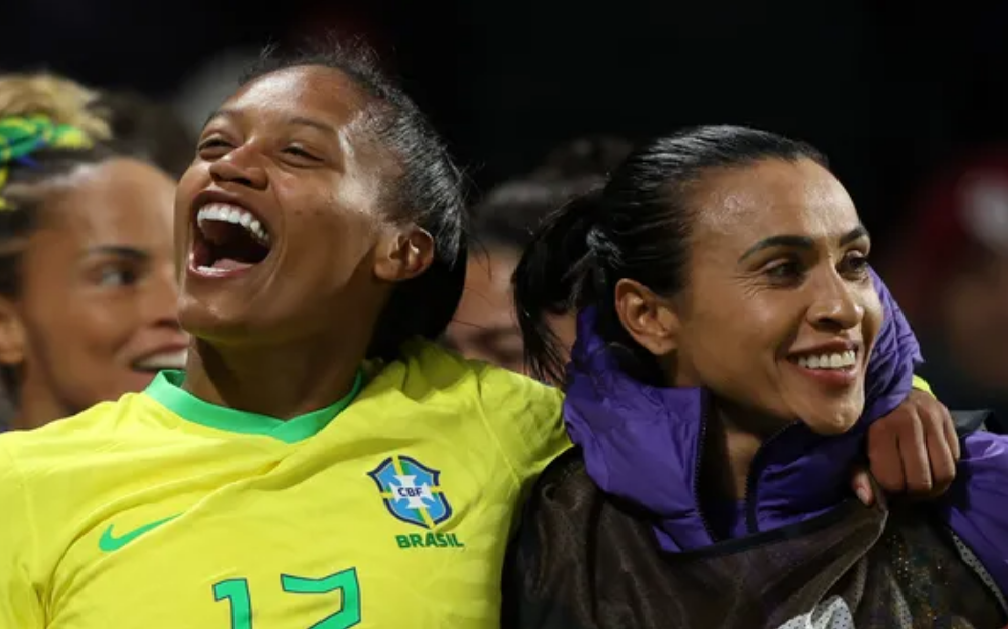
(236, 592)
(345, 581)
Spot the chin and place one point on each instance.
(830, 413)
(837, 422)
(830, 428)
(206, 323)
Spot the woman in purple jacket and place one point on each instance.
(719, 392)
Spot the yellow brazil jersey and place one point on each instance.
(390, 510)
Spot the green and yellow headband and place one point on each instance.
(20, 136)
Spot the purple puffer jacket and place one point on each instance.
(642, 443)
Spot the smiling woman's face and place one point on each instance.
(96, 315)
(779, 314)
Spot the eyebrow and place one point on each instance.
(294, 120)
(315, 124)
(801, 242)
(119, 251)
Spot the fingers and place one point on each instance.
(862, 487)
(915, 456)
(942, 447)
(950, 433)
(884, 455)
(915, 448)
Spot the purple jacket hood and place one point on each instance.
(642, 443)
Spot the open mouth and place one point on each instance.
(228, 238)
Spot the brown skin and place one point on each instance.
(914, 448)
(750, 309)
(288, 336)
(98, 291)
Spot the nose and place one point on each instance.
(241, 167)
(835, 305)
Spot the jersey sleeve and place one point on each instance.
(20, 607)
(525, 418)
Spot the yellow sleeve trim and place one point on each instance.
(921, 384)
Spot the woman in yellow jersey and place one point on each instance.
(319, 464)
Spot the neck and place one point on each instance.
(281, 382)
(729, 450)
(37, 405)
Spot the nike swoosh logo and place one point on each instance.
(110, 543)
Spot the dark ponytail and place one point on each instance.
(637, 227)
(553, 277)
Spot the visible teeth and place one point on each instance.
(235, 215)
(829, 361)
(165, 360)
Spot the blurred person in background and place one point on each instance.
(950, 274)
(87, 281)
(484, 327)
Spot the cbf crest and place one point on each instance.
(411, 491)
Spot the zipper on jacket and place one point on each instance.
(704, 413)
(753, 475)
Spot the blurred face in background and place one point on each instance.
(484, 326)
(96, 313)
